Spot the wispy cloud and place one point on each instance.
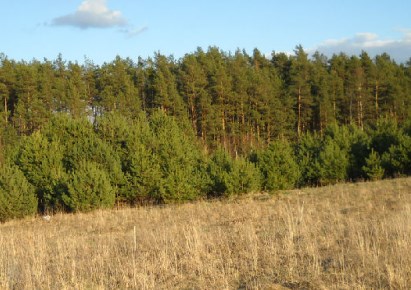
(131, 32)
(92, 14)
(398, 49)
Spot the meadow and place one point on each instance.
(347, 236)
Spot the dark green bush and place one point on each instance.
(89, 188)
(80, 142)
(372, 167)
(42, 163)
(232, 176)
(308, 150)
(17, 197)
(278, 166)
(179, 159)
(333, 163)
(133, 141)
(397, 160)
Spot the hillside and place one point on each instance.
(348, 236)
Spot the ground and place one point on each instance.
(348, 236)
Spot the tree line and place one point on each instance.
(211, 124)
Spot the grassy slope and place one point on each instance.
(349, 236)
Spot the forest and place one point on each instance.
(77, 137)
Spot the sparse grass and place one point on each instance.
(349, 236)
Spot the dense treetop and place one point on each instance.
(238, 100)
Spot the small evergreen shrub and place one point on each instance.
(17, 197)
(41, 161)
(278, 166)
(89, 188)
(333, 163)
(232, 176)
(373, 168)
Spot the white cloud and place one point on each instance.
(373, 44)
(92, 14)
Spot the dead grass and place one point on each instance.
(350, 236)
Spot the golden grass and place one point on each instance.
(349, 236)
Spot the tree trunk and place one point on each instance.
(268, 133)
(351, 97)
(5, 109)
(360, 115)
(193, 113)
(223, 129)
(360, 109)
(376, 99)
(299, 112)
(321, 120)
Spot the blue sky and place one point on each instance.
(102, 29)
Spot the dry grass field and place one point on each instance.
(349, 236)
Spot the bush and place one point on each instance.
(244, 177)
(385, 135)
(80, 142)
(143, 174)
(17, 197)
(307, 151)
(397, 160)
(373, 168)
(232, 176)
(358, 152)
(324, 160)
(89, 188)
(42, 163)
(278, 167)
(181, 163)
(333, 163)
(132, 140)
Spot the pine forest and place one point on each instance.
(211, 124)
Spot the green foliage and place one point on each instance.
(143, 175)
(42, 163)
(245, 177)
(57, 115)
(397, 160)
(89, 188)
(336, 156)
(232, 176)
(324, 160)
(393, 146)
(17, 197)
(307, 151)
(164, 87)
(333, 163)
(133, 141)
(341, 135)
(373, 168)
(278, 166)
(300, 89)
(80, 142)
(384, 135)
(9, 142)
(358, 152)
(180, 161)
(116, 89)
(116, 130)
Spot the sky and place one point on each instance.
(99, 30)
